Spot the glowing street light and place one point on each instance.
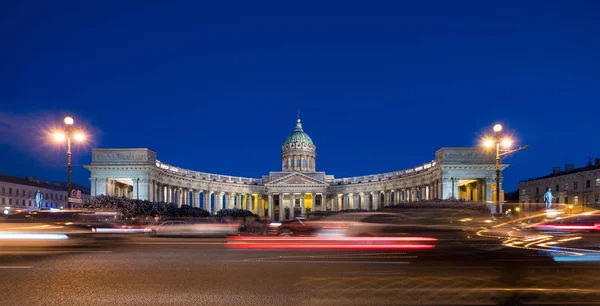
(79, 136)
(506, 142)
(60, 136)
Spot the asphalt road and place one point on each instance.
(178, 271)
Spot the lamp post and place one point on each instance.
(60, 136)
(497, 141)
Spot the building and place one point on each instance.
(463, 173)
(19, 193)
(570, 186)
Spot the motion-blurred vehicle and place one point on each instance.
(363, 224)
(208, 228)
(302, 226)
(56, 228)
(580, 223)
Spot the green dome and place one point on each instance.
(298, 140)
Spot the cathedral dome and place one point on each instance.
(298, 140)
(298, 152)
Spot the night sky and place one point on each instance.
(215, 86)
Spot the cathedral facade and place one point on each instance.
(459, 173)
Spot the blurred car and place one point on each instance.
(42, 231)
(361, 224)
(298, 226)
(302, 226)
(200, 228)
(580, 223)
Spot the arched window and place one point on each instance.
(298, 163)
(304, 163)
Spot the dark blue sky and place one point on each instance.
(214, 86)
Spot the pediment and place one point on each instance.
(297, 179)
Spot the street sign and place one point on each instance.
(75, 200)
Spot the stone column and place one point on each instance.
(367, 200)
(136, 187)
(313, 197)
(344, 201)
(207, 206)
(101, 185)
(270, 206)
(239, 201)
(355, 201)
(336, 199)
(455, 188)
(259, 208)
(195, 198)
(217, 201)
(375, 199)
(302, 208)
(488, 189)
(281, 207)
(292, 204)
(323, 201)
(93, 182)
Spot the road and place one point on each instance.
(179, 271)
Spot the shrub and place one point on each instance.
(129, 208)
(234, 213)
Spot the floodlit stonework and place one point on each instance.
(461, 173)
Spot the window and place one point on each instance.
(4, 190)
(29, 202)
(9, 190)
(587, 184)
(537, 190)
(4, 200)
(556, 187)
(9, 201)
(566, 186)
(23, 192)
(574, 185)
(596, 199)
(304, 163)
(597, 183)
(566, 200)
(298, 163)
(523, 192)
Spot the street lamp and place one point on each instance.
(60, 136)
(500, 141)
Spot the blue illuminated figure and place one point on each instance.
(548, 197)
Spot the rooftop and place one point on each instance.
(35, 182)
(587, 167)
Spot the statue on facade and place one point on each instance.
(39, 197)
(548, 197)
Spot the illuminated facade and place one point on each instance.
(462, 173)
(19, 193)
(570, 186)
